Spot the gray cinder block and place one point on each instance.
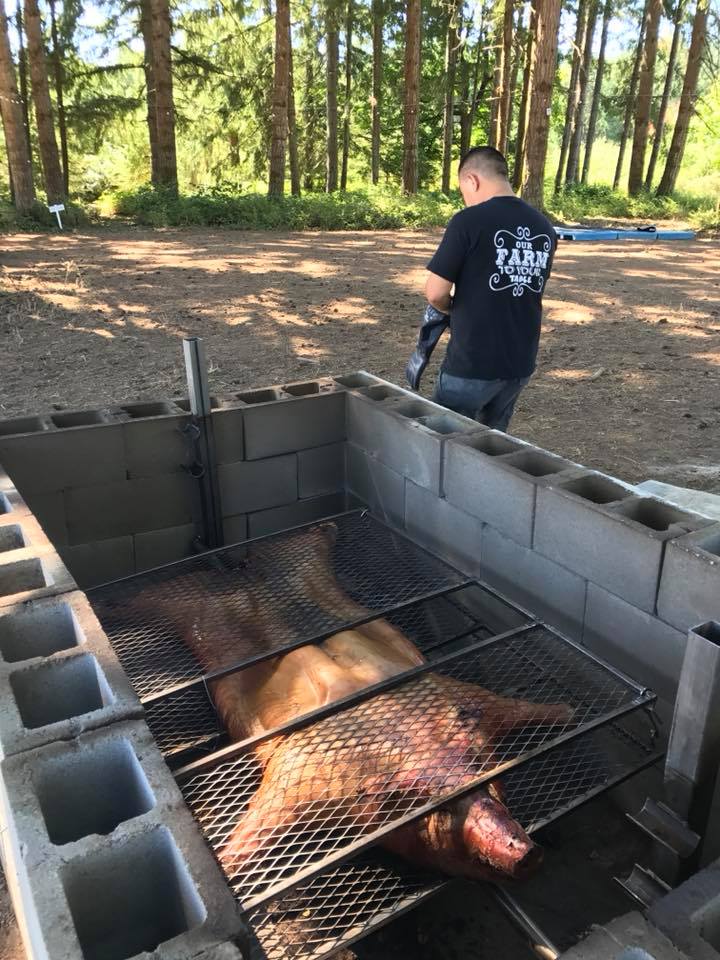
(408, 436)
(56, 460)
(690, 914)
(31, 571)
(284, 426)
(535, 583)
(49, 510)
(129, 506)
(376, 485)
(690, 580)
(59, 674)
(495, 478)
(293, 514)
(357, 380)
(442, 528)
(155, 445)
(156, 547)
(101, 560)
(594, 526)
(321, 470)
(235, 528)
(107, 860)
(258, 484)
(227, 427)
(642, 646)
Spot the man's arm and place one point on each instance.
(437, 292)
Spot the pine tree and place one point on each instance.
(16, 143)
(281, 82)
(667, 89)
(411, 96)
(49, 156)
(644, 97)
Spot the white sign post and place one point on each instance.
(57, 209)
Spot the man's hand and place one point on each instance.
(437, 292)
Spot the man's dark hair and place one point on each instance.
(486, 161)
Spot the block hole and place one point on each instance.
(709, 631)
(414, 408)
(59, 689)
(82, 418)
(92, 791)
(354, 380)
(258, 396)
(381, 392)
(185, 404)
(38, 630)
(537, 464)
(597, 489)
(22, 425)
(303, 389)
(4, 504)
(494, 444)
(445, 423)
(21, 576)
(11, 538)
(653, 514)
(138, 410)
(131, 898)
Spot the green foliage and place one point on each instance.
(589, 202)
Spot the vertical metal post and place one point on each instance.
(693, 756)
(204, 469)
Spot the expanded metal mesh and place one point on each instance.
(350, 900)
(342, 782)
(203, 615)
(187, 720)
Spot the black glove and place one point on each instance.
(433, 325)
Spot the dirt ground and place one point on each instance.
(629, 372)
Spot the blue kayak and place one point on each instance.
(644, 234)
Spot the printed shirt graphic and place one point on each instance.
(498, 254)
(521, 260)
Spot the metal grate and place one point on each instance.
(340, 783)
(210, 614)
(186, 720)
(349, 901)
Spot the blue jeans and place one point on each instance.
(491, 402)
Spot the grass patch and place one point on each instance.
(600, 202)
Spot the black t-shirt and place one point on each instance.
(499, 255)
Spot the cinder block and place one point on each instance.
(156, 547)
(100, 561)
(321, 470)
(49, 509)
(286, 426)
(592, 525)
(442, 528)
(72, 419)
(407, 436)
(27, 573)
(547, 590)
(235, 529)
(258, 485)
(357, 380)
(59, 675)
(155, 445)
(293, 514)
(108, 860)
(690, 581)
(642, 646)
(56, 460)
(495, 478)
(130, 506)
(24, 425)
(227, 427)
(376, 485)
(690, 914)
(639, 937)
(12, 506)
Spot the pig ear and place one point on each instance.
(496, 789)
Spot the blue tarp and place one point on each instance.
(647, 235)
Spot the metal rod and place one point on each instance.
(539, 942)
(205, 467)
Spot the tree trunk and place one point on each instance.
(630, 105)
(57, 58)
(644, 97)
(503, 109)
(332, 43)
(597, 91)
(524, 101)
(52, 173)
(292, 122)
(23, 75)
(377, 50)
(411, 96)
(518, 53)
(667, 89)
(281, 76)
(451, 45)
(310, 113)
(542, 75)
(146, 30)
(164, 103)
(573, 163)
(348, 91)
(573, 92)
(687, 101)
(16, 144)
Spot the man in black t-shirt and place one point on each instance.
(497, 253)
